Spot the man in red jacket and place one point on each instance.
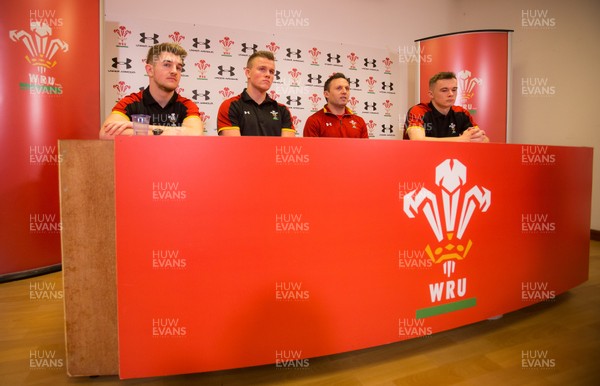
(335, 119)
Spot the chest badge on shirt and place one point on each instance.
(453, 127)
(353, 122)
(275, 115)
(328, 124)
(172, 119)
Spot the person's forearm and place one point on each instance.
(104, 135)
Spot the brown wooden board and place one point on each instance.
(87, 208)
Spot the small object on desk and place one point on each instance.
(141, 124)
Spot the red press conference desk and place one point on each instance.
(235, 252)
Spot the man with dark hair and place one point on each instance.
(336, 119)
(253, 112)
(170, 113)
(440, 120)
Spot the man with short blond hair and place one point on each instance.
(155, 51)
(253, 112)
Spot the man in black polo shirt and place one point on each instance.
(440, 120)
(253, 112)
(170, 113)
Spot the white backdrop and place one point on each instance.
(214, 70)
(554, 54)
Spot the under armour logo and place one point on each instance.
(312, 78)
(291, 100)
(277, 75)
(246, 112)
(223, 70)
(144, 38)
(354, 82)
(372, 63)
(246, 47)
(370, 106)
(385, 128)
(328, 124)
(331, 58)
(385, 86)
(205, 43)
(290, 53)
(126, 63)
(196, 95)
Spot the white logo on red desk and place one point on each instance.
(457, 208)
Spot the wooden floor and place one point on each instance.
(563, 335)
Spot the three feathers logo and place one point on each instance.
(41, 46)
(457, 208)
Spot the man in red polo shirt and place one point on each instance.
(335, 119)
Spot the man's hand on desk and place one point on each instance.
(113, 128)
(475, 134)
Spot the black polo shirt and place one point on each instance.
(172, 114)
(437, 124)
(243, 113)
